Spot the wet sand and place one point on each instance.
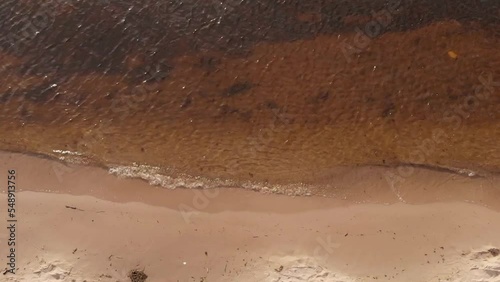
(70, 218)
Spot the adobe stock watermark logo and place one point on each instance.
(125, 104)
(31, 26)
(364, 35)
(262, 139)
(201, 201)
(455, 118)
(325, 247)
(61, 170)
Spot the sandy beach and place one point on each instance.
(74, 225)
(248, 141)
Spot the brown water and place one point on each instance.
(259, 91)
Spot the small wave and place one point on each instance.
(155, 176)
(71, 157)
(63, 152)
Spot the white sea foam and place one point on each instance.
(71, 157)
(64, 152)
(154, 176)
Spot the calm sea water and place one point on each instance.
(260, 92)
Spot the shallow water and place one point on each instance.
(261, 91)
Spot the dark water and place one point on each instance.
(266, 91)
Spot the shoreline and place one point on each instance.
(95, 226)
(343, 185)
(250, 141)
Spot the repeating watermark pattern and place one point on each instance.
(372, 29)
(325, 247)
(26, 29)
(61, 170)
(34, 23)
(262, 139)
(200, 202)
(259, 142)
(454, 117)
(121, 107)
(31, 26)
(125, 104)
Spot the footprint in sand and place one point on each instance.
(480, 266)
(50, 271)
(293, 269)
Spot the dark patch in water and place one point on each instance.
(88, 36)
(246, 115)
(321, 97)
(238, 88)
(154, 73)
(228, 111)
(209, 63)
(271, 105)
(38, 94)
(389, 110)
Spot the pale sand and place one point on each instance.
(80, 223)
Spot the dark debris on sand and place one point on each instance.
(137, 276)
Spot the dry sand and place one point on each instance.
(83, 224)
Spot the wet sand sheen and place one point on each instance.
(232, 234)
